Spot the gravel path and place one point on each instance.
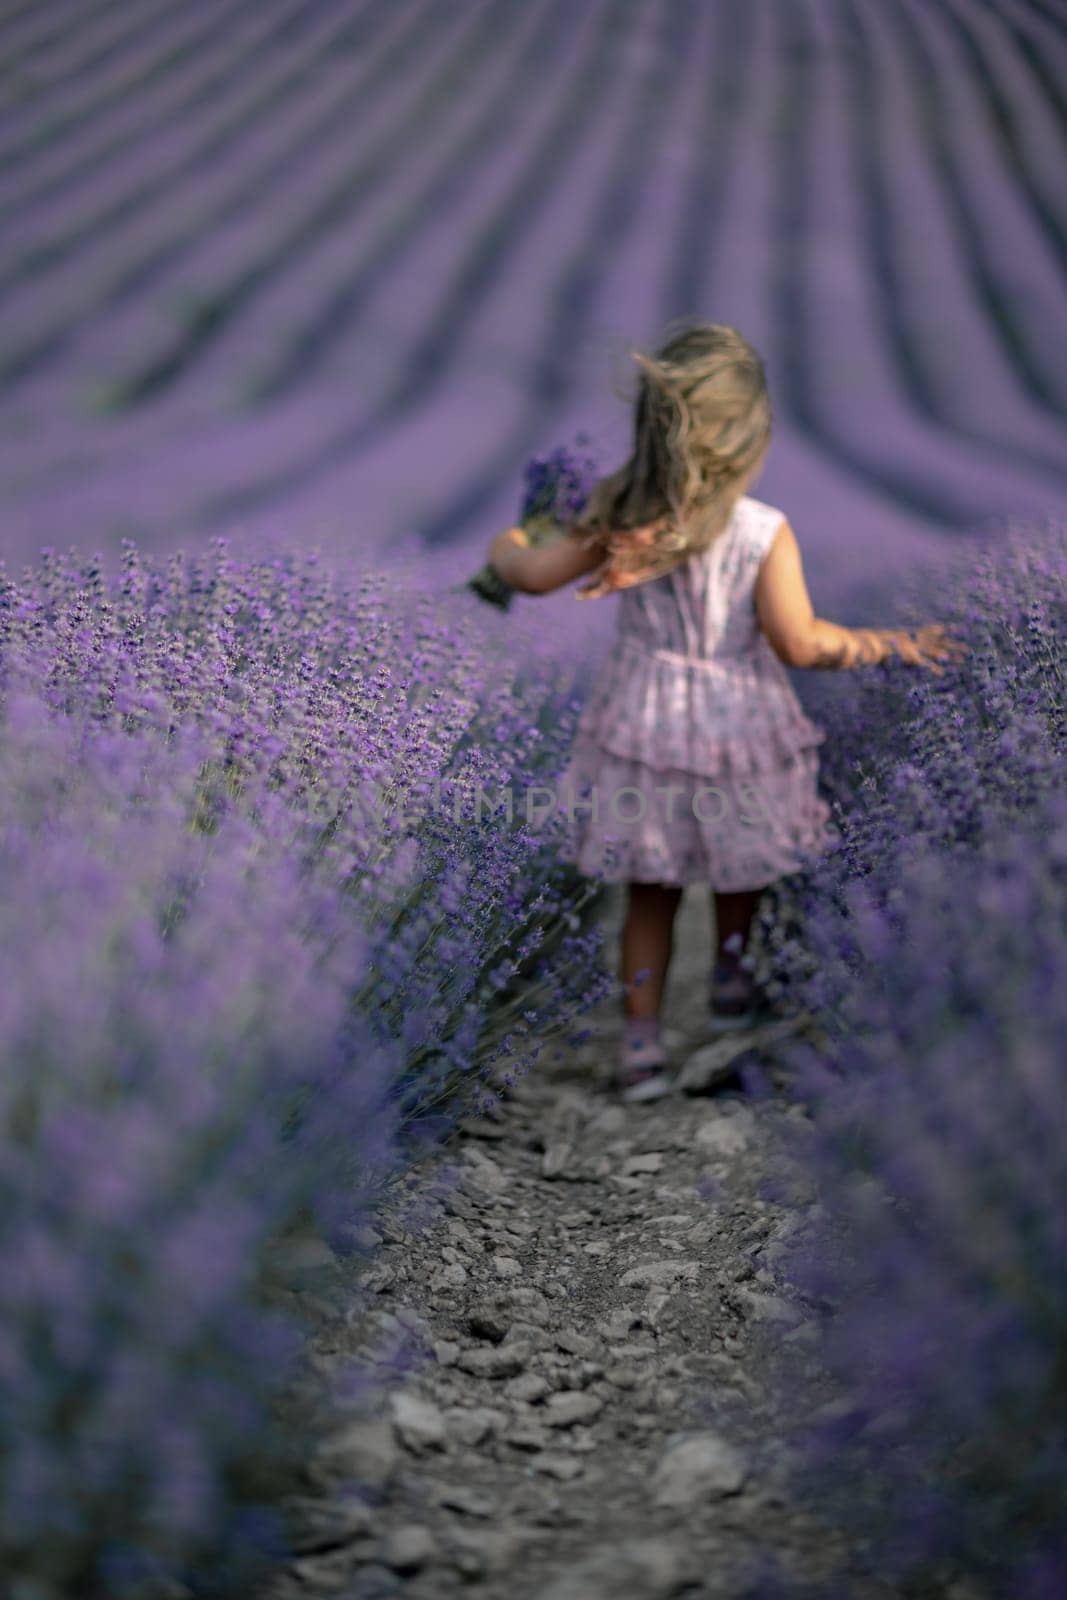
(572, 1326)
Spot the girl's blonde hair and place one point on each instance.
(702, 425)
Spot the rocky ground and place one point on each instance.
(572, 1314)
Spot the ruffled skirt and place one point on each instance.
(686, 773)
(625, 821)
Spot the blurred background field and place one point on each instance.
(329, 271)
(290, 277)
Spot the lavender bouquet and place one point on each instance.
(557, 487)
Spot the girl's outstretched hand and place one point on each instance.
(925, 647)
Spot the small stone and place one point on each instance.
(470, 1563)
(418, 1422)
(528, 1388)
(659, 1567)
(557, 1161)
(488, 1174)
(571, 1406)
(413, 1320)
(722, 1136)
(471, 1425)
(640, 1569)
(618, 1325)
(529, 1333)
(334, 1523)
(649, 1161)
(598, 1249)
(446, 1354)
(527, 1436)
(489, 1321)
(713, 1064)
(623, 1377)
(575, 1343)
(656, 1304)
(458, 1497)
(483, 1551)
(365, 1450)
(576, 1219)
(696, 1469)
(507, 1267)
(632, 1352)
(660, 1274)
(582, 1440)
(499, 1361)
(564, 1468)
(611, 1119)
(325, 1573)
(453, 1275)
(768, 1307)
(582, 1375)
(408, 1548)
(531, 1301)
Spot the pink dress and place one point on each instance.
(693, 761)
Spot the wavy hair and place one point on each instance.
(702, 425)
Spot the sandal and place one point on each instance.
(737, 1001)
(640, 1072)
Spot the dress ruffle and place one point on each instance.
(711, 717)
(678, 827)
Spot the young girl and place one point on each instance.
(693, 761)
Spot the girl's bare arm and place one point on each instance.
(539, 570)
(801, 639)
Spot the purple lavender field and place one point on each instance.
(328, 274)
(292, 291)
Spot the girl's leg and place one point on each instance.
(647, 937)
(735, 998)
(733, 915)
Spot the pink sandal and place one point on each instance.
(640, 1071)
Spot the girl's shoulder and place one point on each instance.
(755, 523)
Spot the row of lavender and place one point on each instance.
(256, 939)
(268, 253)
(935, 949)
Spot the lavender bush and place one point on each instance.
(155, 1046)
(234, 986)
(935, 950)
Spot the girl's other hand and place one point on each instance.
(926, 646)
(631, 557)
